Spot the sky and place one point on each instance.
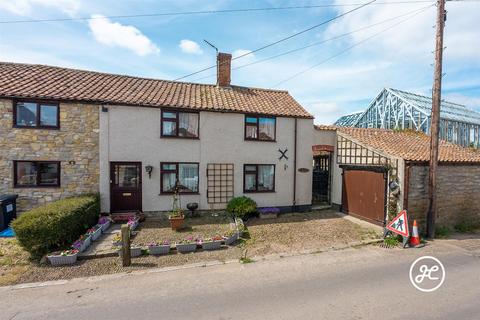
(348, 63)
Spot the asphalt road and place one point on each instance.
(365, 283)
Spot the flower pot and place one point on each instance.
(133, 224)
(231, 239)
(105, 226)
(59, 260)
(134, 252)
(186, 247)
(159, 250)
(212, 245)
(86, 243)
(96, 234)
(176, 222)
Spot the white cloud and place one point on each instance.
(189, 46)
(25, 7)
(115, 34)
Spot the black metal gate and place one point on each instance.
(321, 179)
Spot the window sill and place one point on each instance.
(180, 194)
(265, 191)
(258, 140)
(36, 127)
(176, 137)
(36, 187)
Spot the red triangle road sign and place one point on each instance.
(399, 224)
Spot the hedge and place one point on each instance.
(56, 225)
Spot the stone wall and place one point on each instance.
(75, 145)
(458, 189)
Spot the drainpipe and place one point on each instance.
(294, 206)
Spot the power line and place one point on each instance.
(185, 13)
(349, 48)
(283, 39)
(316, 43)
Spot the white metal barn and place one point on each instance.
(396, 109)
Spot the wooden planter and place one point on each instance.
(176, 222)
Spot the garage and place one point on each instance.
(364, 192)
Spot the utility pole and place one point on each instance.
(435, 121)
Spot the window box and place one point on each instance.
(27, 174)
(260, 128)
(258, 178)
(180, 124)
(36, 114)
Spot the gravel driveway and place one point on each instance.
(290, 233)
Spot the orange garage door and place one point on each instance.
(363, 194)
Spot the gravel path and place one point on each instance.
(290, 233)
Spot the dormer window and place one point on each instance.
(29, 114)
(180, 124)
(260, 128)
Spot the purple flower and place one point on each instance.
(103, 220)
(269, 210)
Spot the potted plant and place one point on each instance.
(95, 232)
(213, 243)
(63, 258)
(177, 219)
(117, 240)
(133, 222)
(82, 243)
(104, 222)
(159, 248)
(269, 213)
(231, 237)
(186, 245)
(135, 251)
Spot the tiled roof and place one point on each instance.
(409, 145)
(47, 82)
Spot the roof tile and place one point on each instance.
(48, 82)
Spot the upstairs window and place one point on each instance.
(259, 178)
(260, 128)
(36, 115)
(180, 124)
(183, 175)
(36, 173)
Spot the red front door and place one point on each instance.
(125, 186)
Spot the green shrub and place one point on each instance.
(442, 232)
(242, 207)
(56, 225)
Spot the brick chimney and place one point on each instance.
(224, 61)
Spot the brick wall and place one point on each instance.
(77, 140)
(458, 189)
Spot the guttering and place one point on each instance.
(294, 205)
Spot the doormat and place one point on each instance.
(7, 233)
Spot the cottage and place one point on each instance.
(66, 131)
(376, 172)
